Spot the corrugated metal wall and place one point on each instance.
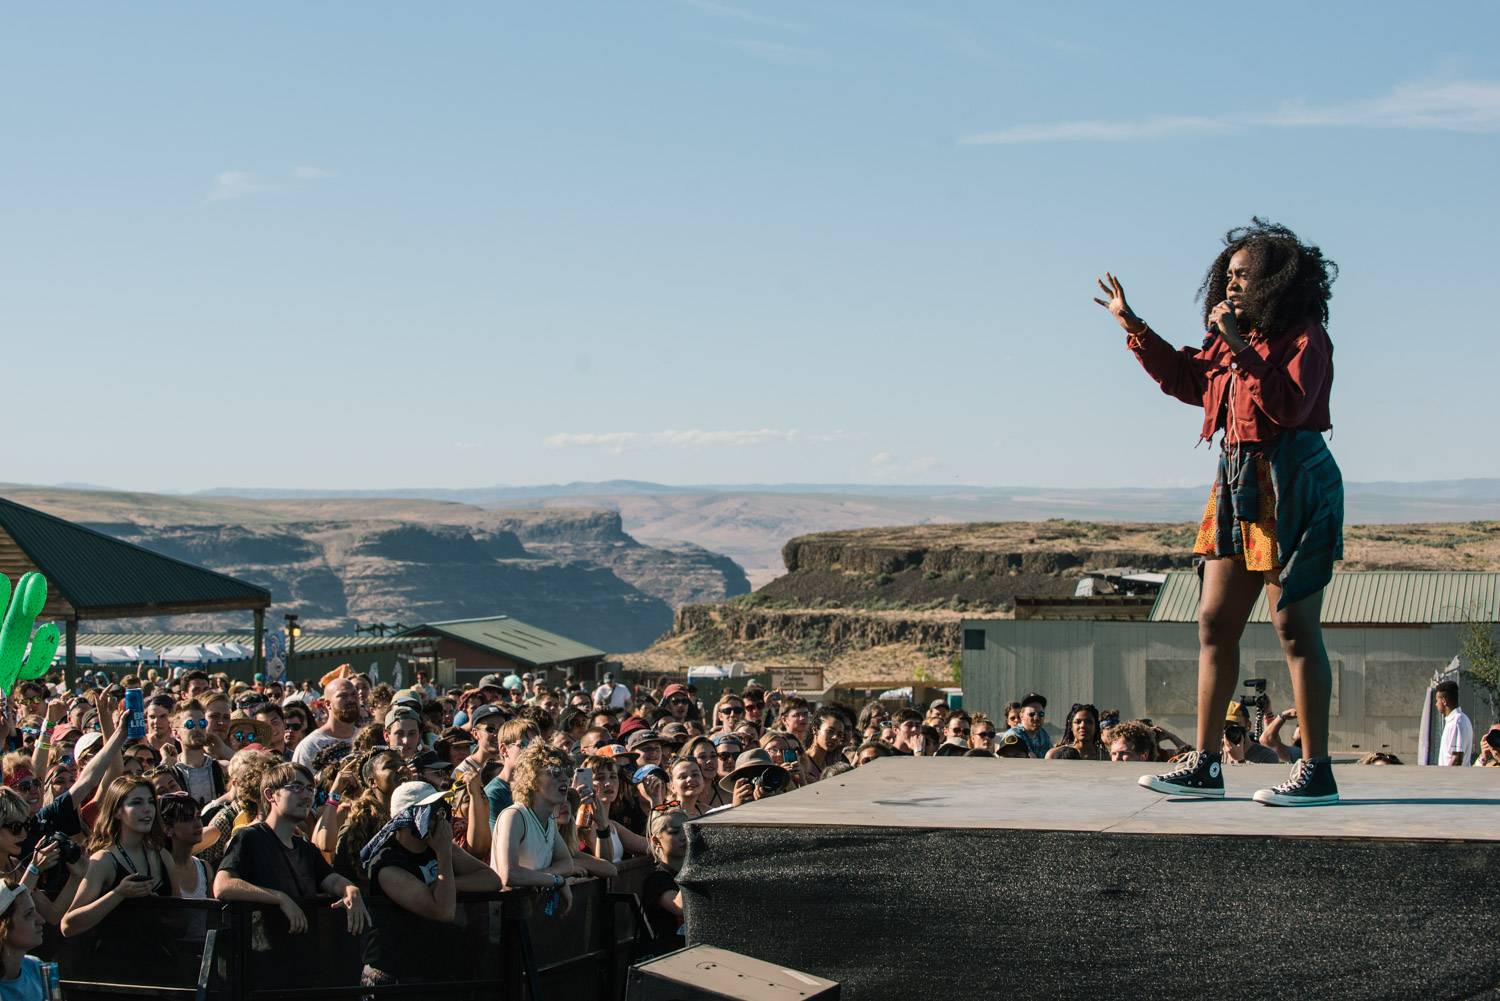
(1149, 669)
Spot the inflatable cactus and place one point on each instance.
(25, 605)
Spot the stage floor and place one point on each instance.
(1389, 802)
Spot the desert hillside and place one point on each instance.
(340, 562)
(884, 604)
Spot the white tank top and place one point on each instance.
(537, 843)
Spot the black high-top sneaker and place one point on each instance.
(1199, 773)
(1311, 784)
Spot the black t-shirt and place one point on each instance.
(400, 943)
(257, 856)
(629, 813)
(666, 926)
(59, 815)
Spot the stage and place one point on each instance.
(940, 877)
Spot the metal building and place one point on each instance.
(1387, 632)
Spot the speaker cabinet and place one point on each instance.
(704, 973)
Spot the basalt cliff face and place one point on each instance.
(885, 604)
(338, 563)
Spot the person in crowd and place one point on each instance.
(610, 694)
(269, 863)
(159, 720)
(907, 736)
(528, 850)
(870, 719)
(1379, 758)
(344, 717)
(21, 928)
(982, 733)
(1031, 731)
(274, 718)
(795, 718)
(298, 720)
(1064, 752)
(1239, 746)
(1271, 736)
(601, 834)
(937, 714)
(786, 751)
(513, 737)
(729, 712)
(1132, 741)
(956, 731)
(403, 731)
(686, 787)
(1457, 742)
(830, 737)
(414, 876)
(660, 897)
(431, 767)
(701, 749)
(182, 829)
(381, 771)
(218, 712)
(247, 731)
(755, 776)
(197, 772)
(1489, 748)
(127, 861)
(870, 750)
(238, 805)
(1081, 732)
(28, 867)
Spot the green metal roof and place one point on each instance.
(512, 638)
(1365, 597)
(103, 577)
(307, 643)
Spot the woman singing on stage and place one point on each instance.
(1275, 516)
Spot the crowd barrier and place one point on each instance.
(506, 949)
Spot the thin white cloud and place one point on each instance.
(885, 466)
(1460, 106)
(308, 173)
(776, 52)
(733, 12)
(229, 184)
(629, 441)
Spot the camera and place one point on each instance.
(1492, 738)
(70, 852)
(1256, 705)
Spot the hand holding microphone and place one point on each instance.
(1223, 320)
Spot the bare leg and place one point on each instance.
(1229, 592)
(1299, 628)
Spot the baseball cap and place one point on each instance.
(408, 700)
(938, 704)
(630, 724)
(87, 743)
(528, 676)
(429, 759)
(398, 713)
(642, 737)
(674, 689)
(616, 752)
(673, 731)
(413, 794)
(492, 681)
(1031, 697)
(485, 712)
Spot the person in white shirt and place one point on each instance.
(1458, 732)
(610, 695)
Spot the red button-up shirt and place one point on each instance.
(1271, 386)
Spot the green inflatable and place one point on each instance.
(25, 605)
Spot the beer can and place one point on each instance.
(135, 705)
(52, 981)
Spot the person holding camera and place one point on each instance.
(1274, 519)
(1489, 749)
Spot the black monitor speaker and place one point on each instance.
(704, 973)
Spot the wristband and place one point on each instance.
(44, 744)
(32, 870)
(557, 881)
(603, 832)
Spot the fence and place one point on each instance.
(502, 948)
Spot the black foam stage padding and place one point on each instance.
(909, 912)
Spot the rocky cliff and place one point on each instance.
(341, 562)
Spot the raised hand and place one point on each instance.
(1117, 305)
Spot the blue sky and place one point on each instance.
(365, 245)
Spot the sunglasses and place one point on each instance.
(732, 711)
(245, 736)
(19, 828)
(25, 785)
(195, 724)
(961, 731)
(297, 788)
(1035, 714)
(729, 755)
(670, 804)
(986, 734)
(677, 700)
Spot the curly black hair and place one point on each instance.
(1289, 279)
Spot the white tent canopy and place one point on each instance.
(207, 653)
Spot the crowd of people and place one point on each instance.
(391, 802)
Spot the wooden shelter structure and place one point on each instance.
(93, 576)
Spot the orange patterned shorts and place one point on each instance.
(1258, 536)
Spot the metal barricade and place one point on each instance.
(508, 950)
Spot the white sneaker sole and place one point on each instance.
(1270, 797)
(1155, 784)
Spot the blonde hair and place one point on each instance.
(528, 771)
(13, 809)
(661, 818)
